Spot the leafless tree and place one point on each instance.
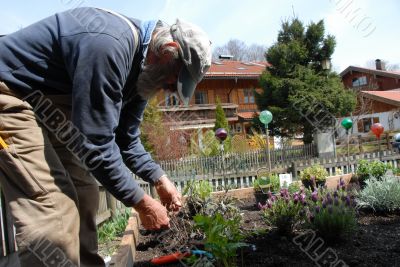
(387, 65)
(256, 52)
(240, 51)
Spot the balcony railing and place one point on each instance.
(196, 116)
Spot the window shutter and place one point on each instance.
(375, 119)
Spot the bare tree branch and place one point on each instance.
(387, 65)
(240, 51)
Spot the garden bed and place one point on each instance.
(122, 247)
(375, 243)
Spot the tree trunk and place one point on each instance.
(308, 133)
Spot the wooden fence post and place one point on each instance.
(388, 141)
(294, 170)
(111, 204)
(360, 147)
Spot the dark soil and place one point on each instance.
(375, 243)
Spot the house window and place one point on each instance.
(201, 97)
(171, 100)
(364, 125)
(238, 127)
(360, 81)
(248, 96)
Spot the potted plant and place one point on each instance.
(366, 170)
(314, 176)
(264, 186)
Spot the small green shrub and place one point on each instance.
(274, 180)
(114, 227)
(198, 190)
(199, 201)
(267, 183)
(396, 171)
(332, 214)
(363, 171)
(316, 172)
(261, 183)
(294, 187)
(284, 211)
(380, 195)
(378, 169)
(224, 205)
(222, 237)
(314, 176)
(366, 169)
(198, 193)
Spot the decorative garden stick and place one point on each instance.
(378, 129)
(266, 117)
(347, 123)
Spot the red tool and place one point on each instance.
(174, 257)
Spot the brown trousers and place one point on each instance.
(53, 199)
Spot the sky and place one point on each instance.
(364, 29)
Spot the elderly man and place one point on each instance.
(73, 88)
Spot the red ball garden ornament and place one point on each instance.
(377, 129)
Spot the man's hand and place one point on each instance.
(169, 195)
(152, 214)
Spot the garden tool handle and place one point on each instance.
(174, 257)
(199, 252)
(3, 144)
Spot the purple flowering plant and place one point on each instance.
(332, 213)
(285, 210)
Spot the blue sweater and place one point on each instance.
(89, 54)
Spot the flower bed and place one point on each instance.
(374, 241)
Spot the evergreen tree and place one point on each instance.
(220, 118)
(302, 96)
(152, 124)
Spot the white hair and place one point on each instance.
(162, 36)
(153, 76)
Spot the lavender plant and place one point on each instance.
(332, 213)
(284, 211)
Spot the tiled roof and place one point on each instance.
(393, 74)
(246, 115)
(391, 97)
(231, 69)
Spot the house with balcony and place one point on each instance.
(378, 97)
(233, 82)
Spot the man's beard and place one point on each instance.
(152, 78)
